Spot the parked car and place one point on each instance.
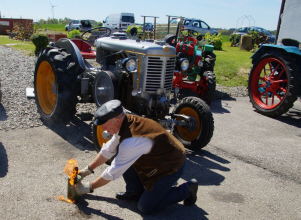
(199, 26)
(81, 25)
(148, 27)
(119, 21)
(246, 30)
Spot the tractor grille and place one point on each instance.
(159, 73)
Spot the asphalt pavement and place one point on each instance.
(249, 170)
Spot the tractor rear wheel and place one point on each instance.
(55, 86)
(272, 84)
(202, 131)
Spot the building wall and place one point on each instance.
(7, 24)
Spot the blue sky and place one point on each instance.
(217, 13)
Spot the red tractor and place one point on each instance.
(194, 74)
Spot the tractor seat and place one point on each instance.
(85, 49)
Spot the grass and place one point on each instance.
(232, 65)
(50, 27)
(26, 46)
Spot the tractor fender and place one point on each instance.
(270, 47)
(72, 49)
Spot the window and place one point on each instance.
(129, 19)
(187, 22)
(196, 24)
(204, 25)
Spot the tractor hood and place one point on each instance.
(135, 46)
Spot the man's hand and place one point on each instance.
(83, 188)
(85, 172)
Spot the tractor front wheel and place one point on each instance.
(54, 86)
(272, 84)
(202, 131)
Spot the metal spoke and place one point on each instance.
(280, 81)
(273, 94)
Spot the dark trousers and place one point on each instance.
(163, 193)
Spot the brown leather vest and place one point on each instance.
(166, 156)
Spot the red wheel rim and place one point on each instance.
(269, 83)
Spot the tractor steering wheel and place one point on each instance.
(92, 34)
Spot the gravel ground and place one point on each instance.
(16, 74)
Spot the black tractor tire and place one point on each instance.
(291, 69)
(201, 136)
(55, 86)
(211, 83)
(169, 39)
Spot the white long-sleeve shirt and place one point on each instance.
(130, 150)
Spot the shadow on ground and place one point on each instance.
(200, 165)
(292, 117)
(3, 115)
(77, 132)
(177, 211)
(217, 106)
(3, 161)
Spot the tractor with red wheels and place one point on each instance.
(194, 76)
(275, 79)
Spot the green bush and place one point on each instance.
(40, 41)
(73, 34)
(258, 38)
(215, 40)
(134, 30)
(235, 39)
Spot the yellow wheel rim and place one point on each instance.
(185, 133)
(46, 87)
(100, 139)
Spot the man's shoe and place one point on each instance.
(131, 196)
(193, 189)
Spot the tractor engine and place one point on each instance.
(141, 73)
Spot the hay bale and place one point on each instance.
(246, 43)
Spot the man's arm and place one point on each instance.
(99, 160)
(99, 182)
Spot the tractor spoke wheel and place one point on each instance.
(270, 80)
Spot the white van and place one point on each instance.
(119, 21)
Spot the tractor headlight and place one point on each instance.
(184, 64)
(130, 64)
